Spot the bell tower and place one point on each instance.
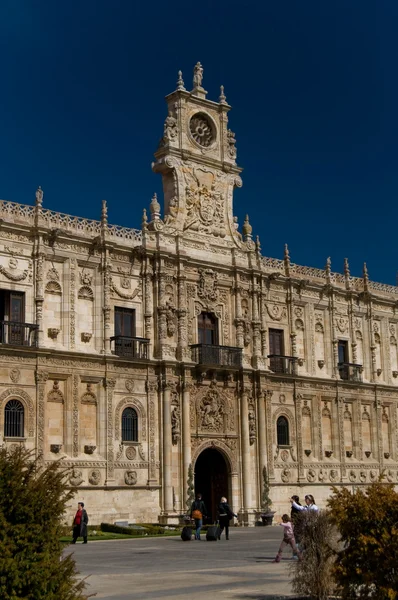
(197, 160)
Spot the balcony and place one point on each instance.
(350, 371)
(130, 347)
(13, 333)
(283, 364)
(217, 356)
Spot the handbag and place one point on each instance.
(196, 514)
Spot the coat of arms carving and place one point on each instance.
(208, 285)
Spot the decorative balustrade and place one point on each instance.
(13, 333)
(350, 371)
(286, 365)
(356, 283)
(130, 347)
(25, 214)
(218, 356)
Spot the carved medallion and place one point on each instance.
(130, 384)
(95, 477)
(15, 375)
(131, 453)
(130, 477)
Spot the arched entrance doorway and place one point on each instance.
(211, 479)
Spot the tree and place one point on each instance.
(266, 501)
(190, 489)
(313, 575)
(32, 504)
(368, 524)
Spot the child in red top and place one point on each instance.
(288, 538)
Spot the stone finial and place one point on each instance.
(39, 196)
(104, 213)
(247, 229)
(154, 207)
(365, 278)
(328, 269)
(144, 222)
(258, 245)
(222, 99)
(347, 273)
(286, 260)
(197, 75)
(180, 82)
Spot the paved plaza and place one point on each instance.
(167, 568)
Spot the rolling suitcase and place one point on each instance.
(186, 534)
(213, 532)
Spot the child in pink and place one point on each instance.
(288, 538)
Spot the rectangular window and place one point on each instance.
(12, 317)
(125, 322)
(276, 345)
(276, 350)
(343, 351)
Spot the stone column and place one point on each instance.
(262, 440)
(41, 378)
(245, 440)
(186, 437)
(167, 448)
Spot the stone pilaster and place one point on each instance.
(39, 293)
(298, 410)
(245, 449)
(110, 466)
(262, 439)
(41, 378)
(152, 391)
(167, 448)
(186, 436)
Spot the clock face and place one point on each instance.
(202, 130)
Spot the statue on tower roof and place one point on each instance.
(197, 75)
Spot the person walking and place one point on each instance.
(288, 539)
(225, 514)
(309, 503)
(198, 512)
(295, 515)
(80, 523)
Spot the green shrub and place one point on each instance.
(32, 505)
(318, 536)
(147, 529)
(368, 524)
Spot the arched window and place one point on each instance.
(207, 329)
(14, 419)
(129, 425)
(282, 431)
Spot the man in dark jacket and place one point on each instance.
(80, 523)
(198, 511)
(225, 514)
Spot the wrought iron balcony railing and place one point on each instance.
(350, 371)
(130, 347)
(283, 364)
(18, 334)
(222, 356)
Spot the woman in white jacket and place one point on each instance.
(309, 503)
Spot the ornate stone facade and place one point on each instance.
(317, 408)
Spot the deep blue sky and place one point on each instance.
(314, 90)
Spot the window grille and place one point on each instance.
(282, 429)
(14, 419)
(129, 425)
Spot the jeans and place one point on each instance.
(198, 526)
